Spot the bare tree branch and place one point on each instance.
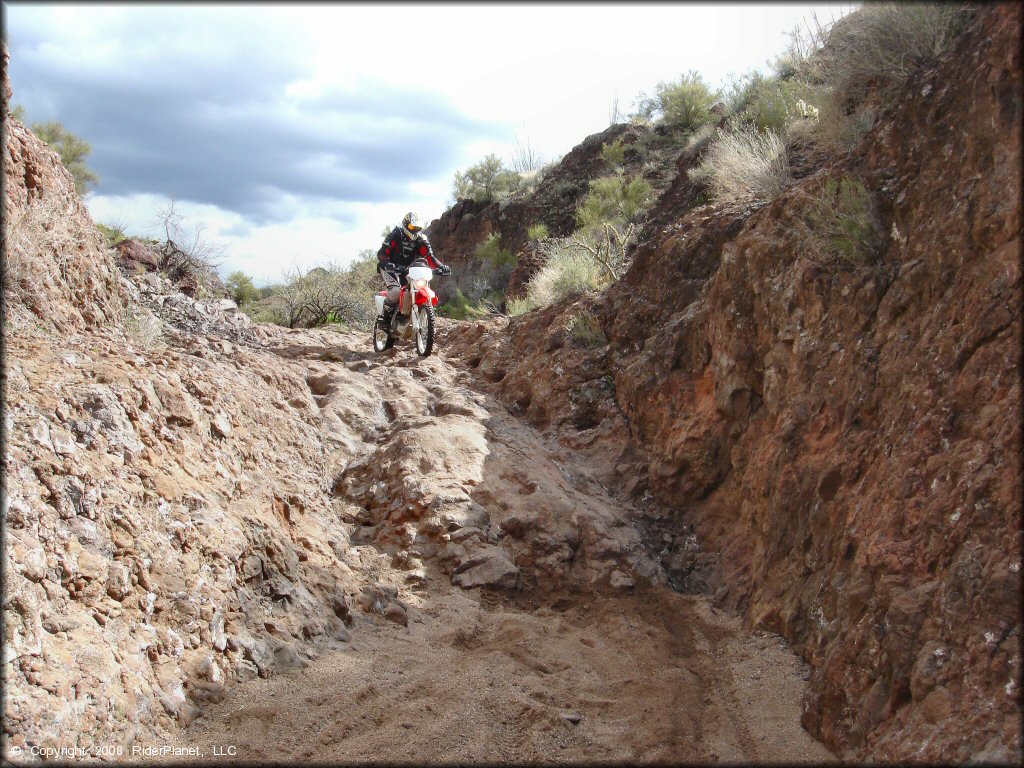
(525, 157)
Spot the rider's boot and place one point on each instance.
(389, 310)
(402, 321)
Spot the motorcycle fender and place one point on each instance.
(425, 296)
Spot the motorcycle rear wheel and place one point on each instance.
(382, 338)
(425, 332)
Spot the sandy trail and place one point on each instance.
(658, 677)
(648, 676)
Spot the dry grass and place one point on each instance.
(56, 264)
(568, 271)
(585, 331)
(743, 167)
(41, 243)
(144, 330)
(873, 51)
(697, 141)
(860, 63)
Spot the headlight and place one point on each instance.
(421, 283)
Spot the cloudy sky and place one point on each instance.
(295, 133)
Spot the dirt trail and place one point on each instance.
(580, 675)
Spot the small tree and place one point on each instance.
(486, 181)
(684, 105)
(241, 288)
(612, 199)
(72, 150)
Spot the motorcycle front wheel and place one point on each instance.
(382, 339)
(425, 331)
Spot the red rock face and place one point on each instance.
(848, 439)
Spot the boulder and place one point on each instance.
(489, 568)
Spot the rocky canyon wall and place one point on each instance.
(845, 437)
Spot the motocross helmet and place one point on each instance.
(411, 225)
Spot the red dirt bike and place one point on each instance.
(414, 315)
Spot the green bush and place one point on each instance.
(515, 307)
(486, 181)
(858, 65)
(684, 105)
(72, 150)
(112, 234)
(457, 307)
(491, 252)
(241, 288)
(745, 166)
(537, 231)
(321, 295)
(613, 199)
(767, 103)
(460, 307)
(614, 153)
(844, 221)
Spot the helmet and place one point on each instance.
(411, 225)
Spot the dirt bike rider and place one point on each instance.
(404, 245)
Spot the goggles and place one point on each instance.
(413, 227)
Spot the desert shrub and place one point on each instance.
(486, 181)
(585, 331)
(514, 307)
(525, 157)
(537, 231)
(492, 269)
(241, 288)
(112, 233)
(456, 307)
(844, 222)
(699, 140)
(72, 150)
(874, 49)
(187, 256)
(838, 130)
(565, 189)
(460, 307)
(768, 103)
(613, 199)
(614, 153)
(264, 311)
(491, 252)
(683, 105)
(858, 64)
(745, 166)
(567, 271)
(322, 295)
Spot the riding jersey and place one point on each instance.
(401, 250)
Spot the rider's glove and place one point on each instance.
(444, 269)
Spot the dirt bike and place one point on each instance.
(420, 323)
